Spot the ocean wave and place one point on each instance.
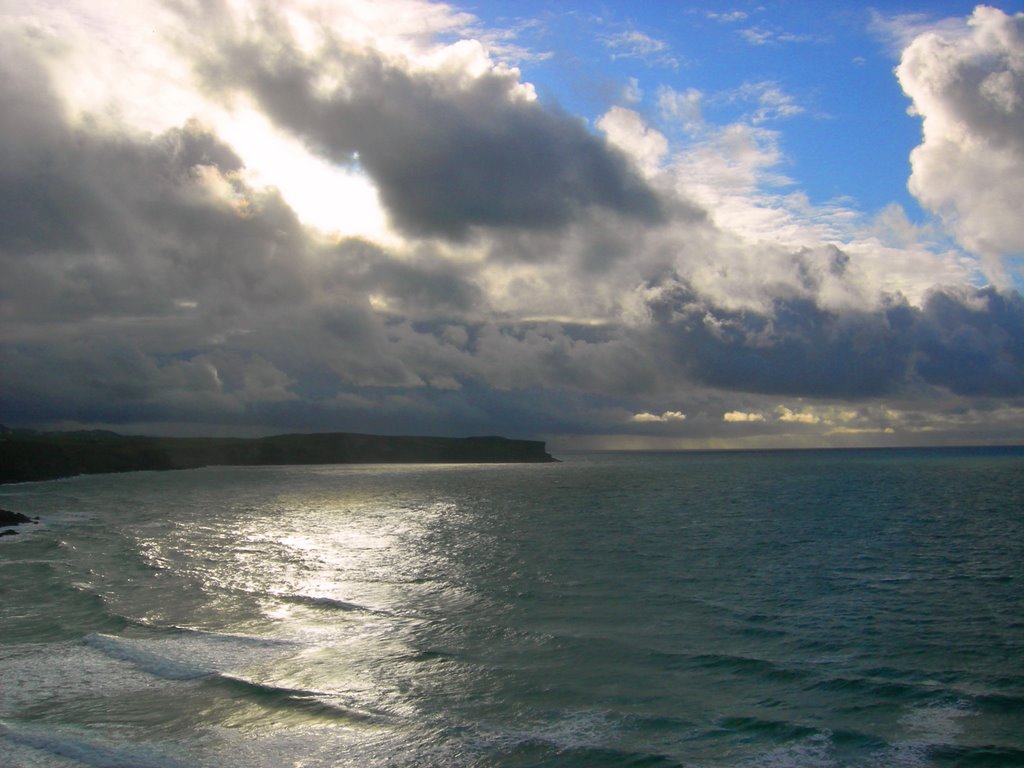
(773, 729)
(318, 601)
(598, 739)
(8, 563)
(1000, 702)
(185, 653)
(985, 756)
(188, 660)
(743, 665)
(539, 753)
(565, 733)
(137, 654)
(228, 638)
(884, 690)
(813, 751)
(318, 704)
(425, 656)
(311, 601)
(79, 750)
(933, 728)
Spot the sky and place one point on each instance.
(606, 225)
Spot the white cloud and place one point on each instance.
(108, 66)
(742, 417)
(841, 419)
(634, 44)
(736, 173)
(627, 130)
(681, 108)
(727, 17)
(797, 417)
(633, 93)
(898, 31)
(756, 36)
(772, 102)
(762, 36)
(666, 416)
(968, 89)
(861, 431)
(727, 164)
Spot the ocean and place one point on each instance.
(788, 608)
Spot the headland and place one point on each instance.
(27, 455)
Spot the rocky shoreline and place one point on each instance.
(27, 456)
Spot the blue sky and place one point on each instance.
(850, 134)
(626, 225)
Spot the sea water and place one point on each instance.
(834, 608)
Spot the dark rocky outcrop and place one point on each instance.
(13, 518)
(27, 456)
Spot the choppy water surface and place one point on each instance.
(752, 609)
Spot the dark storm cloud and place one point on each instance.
(64, 189)
(119, 226)
(796, 349)
(428, 285)
(474, 409)
(447, 154)
(968, 341)
(810, 270)
(973, 343)
(143, 280)
(101, 225)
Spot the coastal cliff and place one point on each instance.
(27, 456)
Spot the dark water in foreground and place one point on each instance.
(753, 609)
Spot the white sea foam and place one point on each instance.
(937, 723)
(578, 730)
(811, 752)
(929, 727)
(564, 731)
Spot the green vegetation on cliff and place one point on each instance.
(26, 456)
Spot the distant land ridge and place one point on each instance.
(27, 455)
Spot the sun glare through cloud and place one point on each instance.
(337, 200)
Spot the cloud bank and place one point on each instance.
(622, 283)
